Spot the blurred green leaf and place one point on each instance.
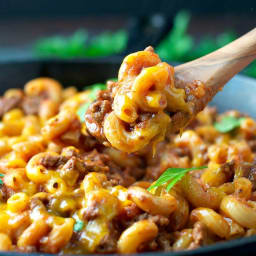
(1, 180)
(94, 89)
(177, 43)
(171, 176)
(62, 46)
(79, 45)
(251, 70)
(228, 123)
(180, 46)
(81, 111)
(209, 44)
(205, 46)
(107, 43)
(225, 38)
(78, 226)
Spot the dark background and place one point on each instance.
(51, 8)
(24, 21)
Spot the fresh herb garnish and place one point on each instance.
(81, 111)
(78, 226)
(94, 89)
(251, 70)
(178, 43)
(81, 44)
(172, 176)
(1, 181)
(102, 44)
(228, 123)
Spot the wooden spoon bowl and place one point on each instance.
(214, 71)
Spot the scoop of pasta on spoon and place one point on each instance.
(151, 98)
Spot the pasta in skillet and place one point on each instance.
(64, 191)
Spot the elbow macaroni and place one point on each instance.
(139, 233)
(144, 94)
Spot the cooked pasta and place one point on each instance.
(64, 191)
(142, 101)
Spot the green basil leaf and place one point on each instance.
(228, 123)
(78, 226)
(172, 176)
(167, 176)
(1, 181)
(95, 89)
(178, 43)
(81, 44)
(175, 180)
(81, 111)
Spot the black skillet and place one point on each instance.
(238, 94)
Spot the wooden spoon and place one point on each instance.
(214, 71)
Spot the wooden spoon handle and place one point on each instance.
(214, 70)
(218, 67)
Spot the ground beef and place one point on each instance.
(99, 162)
(96, 162)
(38, 202)
(91, 211)
(159, 220)
(89, 143)
(109, 243)
(6, 192)
(9, 103)
(148, 246)
(107, 94)
(181, 152)
(166, 156)
(74, 166)
(136, 172)
(199, 235)
(164, 240)
(133, 214)
(252, 145)
(3, 193)
(121, 177)
(130, 212)
(70, 164)
(94, 118)
(249, 171)
(30, 105)
(228, 169)
(50, 161)
(97, 111)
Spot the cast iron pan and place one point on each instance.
(238, 94)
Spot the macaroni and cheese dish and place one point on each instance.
(64, 191)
